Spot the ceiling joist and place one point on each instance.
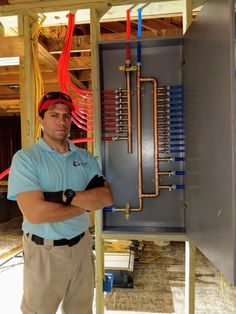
(30, 6)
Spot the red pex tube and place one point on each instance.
(80, 125)
(128, 36)
(4, 173)
(82, 140)
(85, 117)
(109, 91)
(84, 114)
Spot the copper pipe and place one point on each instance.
(139, 141)
(155, 136)
(140, 79)
(163, 111)
(165, 159)
(167, 187)
(117, 138)
(139, 145)
(163, 129)
(165, 173)
(128, 87)
(139, 138)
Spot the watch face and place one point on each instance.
(69, 193)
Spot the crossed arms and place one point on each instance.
(37, 210)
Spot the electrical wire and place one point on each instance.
(39, 86)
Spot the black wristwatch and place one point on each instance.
(69, 194)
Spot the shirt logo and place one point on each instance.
(80, 163)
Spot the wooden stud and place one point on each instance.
(27, 83)
(189, 278)
(95, 36)
(187, 14)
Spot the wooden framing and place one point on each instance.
(29, 6)
(187, 14)
(27, 83)
(189, 278)
(12, 46)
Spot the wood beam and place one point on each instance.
(13, 69)
(95, 37)
(189, 277)
(11, 46)
(104, 37)
(79, 44)
(27, 83)
(9, 103)
(39, 6)
(27, 6)
(84, 75)
(52, 62)
(187, 14)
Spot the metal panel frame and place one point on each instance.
(210, 134)
(161, 58)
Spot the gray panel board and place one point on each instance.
(210, 134)
(164, 63)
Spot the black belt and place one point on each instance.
(70, 242)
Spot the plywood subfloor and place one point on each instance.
(159, 286)
(10, 236)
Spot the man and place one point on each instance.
(53, 184)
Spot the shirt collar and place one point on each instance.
(44, 145)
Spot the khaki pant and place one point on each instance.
(55, 274)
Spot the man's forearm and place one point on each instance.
(37, 210)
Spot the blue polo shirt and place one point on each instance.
(39, 167)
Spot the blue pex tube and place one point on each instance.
(178, 159)
(178, 187)
(181, 139)
(178, 173)
(176, 110)
(171, 87)
(176, 145)
(177, 116)
(170, 99)
(171, 105)
(176, 122)
(109, 209)
(169, 93)
(176, 134)
(176, 151)
(139, 58)
(176, 128)
(139, 23)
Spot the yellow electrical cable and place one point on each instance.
(222, 282)
(10, 236)
(13, 251)
(39, 87)
(147, 255)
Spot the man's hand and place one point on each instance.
(57, 197)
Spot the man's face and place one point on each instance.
(56, 122)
